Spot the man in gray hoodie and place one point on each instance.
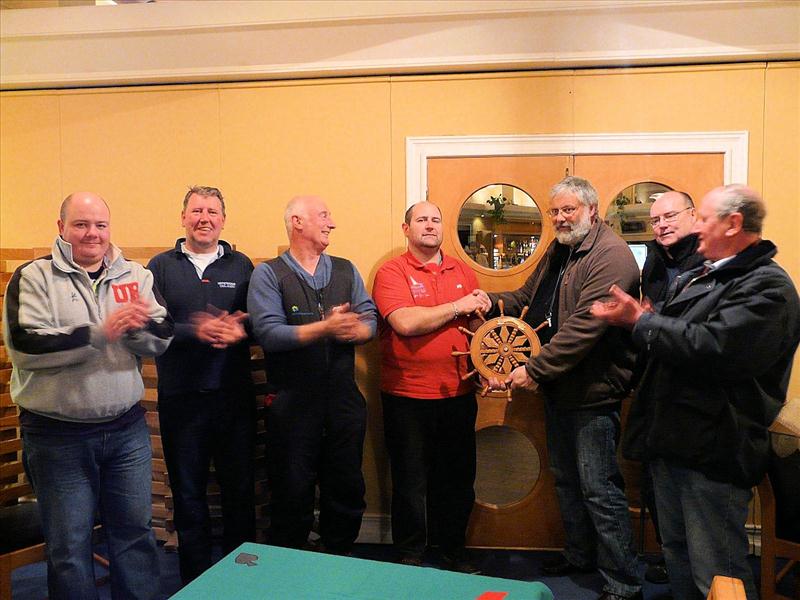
(76, 324)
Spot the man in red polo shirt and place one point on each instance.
(428, 411)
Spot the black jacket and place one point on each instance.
(719, 360)
(682, 256)
(189, 365)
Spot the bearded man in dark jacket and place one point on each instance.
(583, 371)
(720, 355)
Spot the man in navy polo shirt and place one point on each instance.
(205, 396)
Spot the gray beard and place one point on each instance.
(579, 231)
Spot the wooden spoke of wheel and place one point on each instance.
(500, 345)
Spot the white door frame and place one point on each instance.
(732, 144)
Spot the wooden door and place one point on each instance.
(452, 180)
(534, 521)
(695, 174)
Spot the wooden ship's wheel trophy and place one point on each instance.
(500, 345)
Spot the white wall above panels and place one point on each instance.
(169, 42)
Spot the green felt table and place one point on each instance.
(282, 574)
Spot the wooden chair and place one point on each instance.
(21, 539)
(773, 547)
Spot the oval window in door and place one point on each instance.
(499, 226)
(629, 215)
(629, 211)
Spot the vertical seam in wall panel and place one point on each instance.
(764, 132)
(572, 118)
(219, 134)
(574, 96)
(60, 147)
(391, 166)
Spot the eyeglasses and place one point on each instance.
(567, 211)
(669, 217)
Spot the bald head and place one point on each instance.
(79, 196)
(297, 207)
(672, 216)
(85, 224)
(424, 204)
(308, 222)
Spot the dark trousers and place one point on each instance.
(196, 429)
(431, 445)
(649, 498)
(316, 437)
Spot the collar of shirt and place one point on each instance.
(432, 267)
(322, 273)
(201, 261)
(717, 264)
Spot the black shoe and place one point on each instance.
(657, 573)
(610, 596)
(558, 566)
(410, 561)
(460, 563)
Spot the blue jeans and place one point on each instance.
(582, 445)
(703, 530)
(74, 476)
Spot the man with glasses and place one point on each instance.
(719, 358)
(583, 370)
(673, 251)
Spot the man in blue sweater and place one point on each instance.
(205, 398)
(308, 311)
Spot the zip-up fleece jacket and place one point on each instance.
(586, 363)
(53, 316)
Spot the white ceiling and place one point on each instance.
(210, 41)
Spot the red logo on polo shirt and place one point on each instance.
(125, 292)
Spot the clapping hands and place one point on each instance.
(219, 330)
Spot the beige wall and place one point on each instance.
(345, 139)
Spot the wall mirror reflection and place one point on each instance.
(499, 226)
(629, 215)
(508, 465)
